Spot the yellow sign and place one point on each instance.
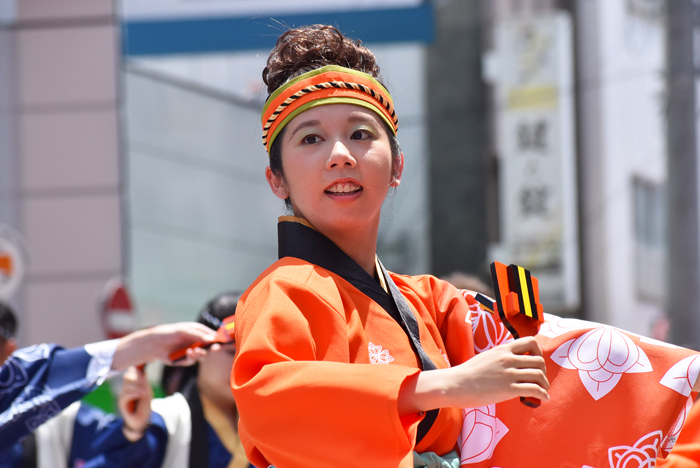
(533, 97)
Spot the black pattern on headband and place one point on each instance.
(320, 86)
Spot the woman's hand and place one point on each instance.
(135, 403)
(515, 369)
(159, 342)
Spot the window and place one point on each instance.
(649, 200)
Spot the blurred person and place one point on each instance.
(8, 329)
(341, 363)
(197, 426)
(38, 382)
(171, 379)
(660, 327)
(200, 420)
(461, 280)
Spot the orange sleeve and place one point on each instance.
(445, 312)
(451, 316)
(302, 403)
(686, 451)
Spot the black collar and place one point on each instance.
(300, 241)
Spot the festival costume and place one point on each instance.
(38, 382)
(312, 391)
(314, 347)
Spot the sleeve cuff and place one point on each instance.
(100, 367)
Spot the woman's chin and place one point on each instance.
(349, 223)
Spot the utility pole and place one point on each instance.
(683, 301)
(457, 140)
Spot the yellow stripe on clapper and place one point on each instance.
(524, 293)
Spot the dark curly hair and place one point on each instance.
(8, 322)
(307, 48)
(301, 50)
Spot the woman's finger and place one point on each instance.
(530, 390)
(523, 361)
(532, 376)
(526, 345)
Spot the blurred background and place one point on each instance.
(556, 134)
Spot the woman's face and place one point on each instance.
(337, 167)
(215, 372)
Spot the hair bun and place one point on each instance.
(303, 49)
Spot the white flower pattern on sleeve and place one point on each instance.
(377, 355)
(488, 332)
(642, 454)
(481, 432)
(682, 375)
(601, 357)
(554, 326)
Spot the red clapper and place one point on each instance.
(224, 335)
(518, 303)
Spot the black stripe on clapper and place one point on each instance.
(499, 302)
(531, 295)
(300, 241)
(514, 284)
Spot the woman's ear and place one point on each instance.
(398, 172)
(279, 188)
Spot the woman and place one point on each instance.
(342, 364)
(314, 326)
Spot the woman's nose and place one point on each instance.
(340, 156)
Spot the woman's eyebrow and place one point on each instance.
(306, 123)
(360, 118)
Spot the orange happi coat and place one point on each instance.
(319, 367)
(320, 364)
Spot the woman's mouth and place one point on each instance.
(347, 188)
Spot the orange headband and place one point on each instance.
(327, 85)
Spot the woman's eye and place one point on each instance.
(310, 139)
(360, 135)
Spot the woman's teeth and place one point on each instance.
(344, 188)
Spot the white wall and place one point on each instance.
(64, 192)
(621, 60)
